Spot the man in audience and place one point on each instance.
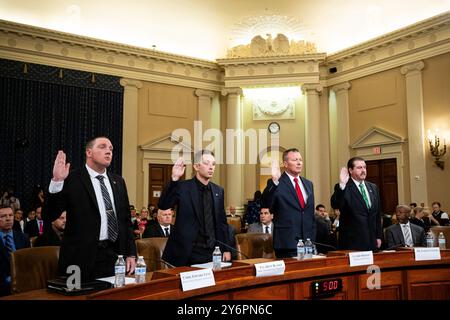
(201, 222)
(98, 226)
(264, 225)
(404, 233)
(290, 198)
(162, 228)
(439, 215)
(323, 229)
(10, 241)
(19, 223)
(35, 227)
(52, 236)
(359, 203)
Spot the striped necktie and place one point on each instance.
(113, 230)
(8, 244)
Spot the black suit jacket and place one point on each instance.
(21, 241)
(48, 238)
(154, 230)
(32, 228)
(394, 236)
(81, 234)
(184, 194)
(359, 227)
(290, 221)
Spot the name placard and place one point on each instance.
(272, 268)
(191, 280)
(361, 258)
(427, 254)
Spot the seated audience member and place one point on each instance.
(36, 227)
(232, 211)
(10, 241)
(162, 228)
(52, 236)
(265, 224)
(253, 209)
(404, 233)
(419, 219)
(133, 213)
(323, 229)
(335, 220)
(413, 205)
(19, 223)
(427, 216)
(8, 199)
(439, 215)
(140, 224)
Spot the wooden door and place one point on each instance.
(159, 176)
(384, 174)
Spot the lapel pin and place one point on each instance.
(217, 194)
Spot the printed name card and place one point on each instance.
(197, 279)
(272, 268)
(361, 258)
(427, 254)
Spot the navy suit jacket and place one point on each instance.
(81, 234)
(394, 236)
(185, 196)
(21, 241)
(359, 227)
(290, 221)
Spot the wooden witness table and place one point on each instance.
(402, 278)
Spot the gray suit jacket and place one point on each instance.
(257, 227)
(394, 236)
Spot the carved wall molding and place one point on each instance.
(412, 67)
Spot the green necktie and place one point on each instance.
(364, 195)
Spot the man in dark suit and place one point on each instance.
(290, 198)
(404, 233)
(10, 241)
(359, 203)
(53, 234)
(201, 222)
(265, 224)
(162, 227)
(98, 226)
(35, 227)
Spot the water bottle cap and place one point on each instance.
(217, 247)
(141, 257)
(120, 256)
(308, 239)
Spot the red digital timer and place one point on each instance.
(326, 287)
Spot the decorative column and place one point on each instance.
(416, 131)
(312, 154)
(235, 183)
(130, 136)
(208, 121)
(341, 130)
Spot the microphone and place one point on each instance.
(324, 245)
(230, 247)
(166, 263)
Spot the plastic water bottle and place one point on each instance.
(217, 259)
(300, 250)
(141, 270)
(119, 271)
(441, 240)
(430, 240)
(308, 249)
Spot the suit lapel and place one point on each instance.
(287, 181)
(113, 183)
(215, 194)
(87, 183)
(371, 194)
(399, 234)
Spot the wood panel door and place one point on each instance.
(384, 174)
(159, 176)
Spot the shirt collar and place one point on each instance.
(92, 173)
(358, 183)
(405, 224)
(292, 177)
(4, 233)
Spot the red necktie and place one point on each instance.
(299, 193)
(40, 227)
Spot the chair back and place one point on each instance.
(255, 245)
(236, 222)
(33, 241)
(152, 249)
(32, 267)
(445, 230)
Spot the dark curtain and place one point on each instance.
(45, 109)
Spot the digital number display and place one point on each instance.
(326, 287)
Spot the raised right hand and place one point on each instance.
(276, 173)
(60, 168)
(343, 176)
(178, 169)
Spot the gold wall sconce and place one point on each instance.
(435, 143)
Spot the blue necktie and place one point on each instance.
(8, 244)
